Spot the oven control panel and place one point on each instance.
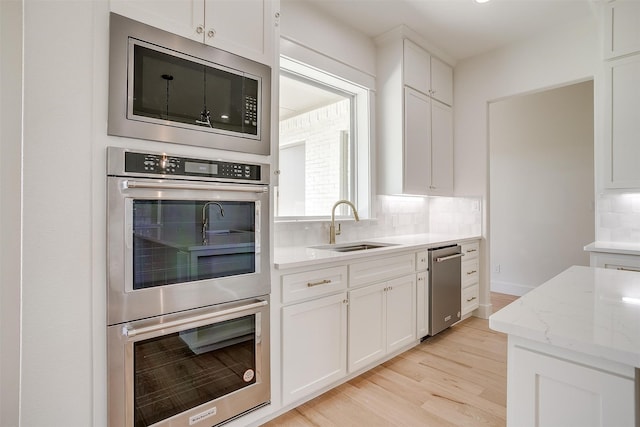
(161, 164)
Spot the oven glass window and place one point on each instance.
(168, 87)
(177, 241)
(176, 372)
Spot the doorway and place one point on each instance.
(541, 185)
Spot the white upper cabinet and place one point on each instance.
(427, 74)
(245, 28)
(415, 121)
(441, 150)
(622, 123)
(622, 28)
(621, 95)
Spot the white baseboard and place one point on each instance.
(510, 288)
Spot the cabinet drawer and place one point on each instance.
(422, 260)
(310, 284)
(377, 270)
(470, 299)
(470, 273)
(470, 250)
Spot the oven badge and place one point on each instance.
(248, 375)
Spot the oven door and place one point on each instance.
(178, 245)
(199, 367)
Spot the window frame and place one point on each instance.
(362, 118)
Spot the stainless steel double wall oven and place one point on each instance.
(188, 285)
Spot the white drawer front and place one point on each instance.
(470, 250)
(470, 272)
(377, 270)
(311, 284)
(470, 299)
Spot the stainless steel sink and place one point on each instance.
(352, 247)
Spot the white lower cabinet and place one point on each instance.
(314, 345)
(548, 391)
(422, 305)
(470, 277)
(382, 319)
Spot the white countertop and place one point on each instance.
(621, 248)
(581, 309)
(300, 256)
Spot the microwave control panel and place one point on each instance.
(161, 164)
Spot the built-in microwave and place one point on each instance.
(168, 88)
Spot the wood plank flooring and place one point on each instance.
(457, 378)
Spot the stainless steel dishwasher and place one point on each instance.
(444, 287)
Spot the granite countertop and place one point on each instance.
(614, 248)
(590, 310)
(301, 256)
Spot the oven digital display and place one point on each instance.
(197, 167)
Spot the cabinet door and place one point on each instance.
(401, 312)
(367, 325)
(622, 123)
(416, 67)
(621, 28)
(422, 305)
(441, 150)
(242, 27)
(417, 142)
(181, 17)
(546, 391)
(441, 81)
(314, 345)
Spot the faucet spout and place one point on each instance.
(205, 219)
(332, 228)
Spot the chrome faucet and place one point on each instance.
(205, 219)
(332, 228)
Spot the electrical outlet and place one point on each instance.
(496, 268)
(475, 206)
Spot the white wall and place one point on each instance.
(10, 206)
(555, 58)
(56, 380)
(312, 28)
(541, 185)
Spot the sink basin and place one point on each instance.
(352, 247)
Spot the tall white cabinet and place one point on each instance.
(621, 94)
(415, 120)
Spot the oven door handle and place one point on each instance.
(192, 186)
(131, 332)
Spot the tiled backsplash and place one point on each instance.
(618, 218)
(395, 216)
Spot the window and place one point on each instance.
(324, 144)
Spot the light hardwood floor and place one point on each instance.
(457, 378)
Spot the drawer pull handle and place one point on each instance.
(321, 282)
(471, 250)
(471, 299)
(471, 272)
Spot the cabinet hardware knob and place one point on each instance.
(345, 301)
(276, 172)
(321, 282)
(211, 33)
(199, 29)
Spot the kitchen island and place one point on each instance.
(574, 350)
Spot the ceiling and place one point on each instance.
(459, 28)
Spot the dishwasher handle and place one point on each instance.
(447, 258)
